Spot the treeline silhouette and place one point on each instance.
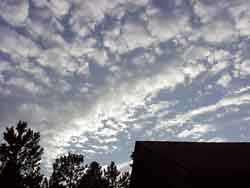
(20, 158)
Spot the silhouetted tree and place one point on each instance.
(124, 180)
(20, 157)
(111, 174)
(10, 176)
(93, 177)
(67, 171)
(45, 183)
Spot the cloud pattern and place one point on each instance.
(94, 76)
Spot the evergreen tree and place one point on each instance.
(94, 177)
(67, 171)
(45, 183)
(10, 176)
(112, 174)
(124, 180)
(20, 158)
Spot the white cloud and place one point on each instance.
(37, 72)
(124, 167)
(182, 119)
(242, 90)
(164, 28)
(84, 125)
(196, 131)
(139, 2)
(138, 86)
(4, 91)
(221, 54)
(5, 66)
(98, 147)
(61, 62)
(224, 80)
(39, 3)
(144, 59)
(59, 7)
(34, 111)
(221, 65)
(160, 106)
(218, 31)
(100, 56)
(45, 28)
(16, 44)
(122, 104)
(112, 40)
(207, 11)
(106, 132)
(87, 14)
(192, 70)
(240, 13)
(26, 84)
(194, 53)
(135, 35)
(120, 107)
(244, 68)
(80, 47)
(216, 139)
(15, 12)
(89, 151)
(109, 140)
(221, 20)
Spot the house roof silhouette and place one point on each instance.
(190, 164)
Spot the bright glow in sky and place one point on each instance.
(94, 76)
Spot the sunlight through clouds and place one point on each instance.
(94, 76)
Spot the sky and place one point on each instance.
(95, 76)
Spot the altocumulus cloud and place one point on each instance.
(94, 76)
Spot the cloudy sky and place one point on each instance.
(94, 76)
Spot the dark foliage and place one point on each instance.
(93, 178)
(20, 157)
(124, 180)
(67, 171)
(111, 175)
(45, 183)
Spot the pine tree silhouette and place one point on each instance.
(45, 183)
(93, 177)
(67, 171)
(124, 180)
(111, 174)
(20, 157)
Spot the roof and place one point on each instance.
(178, 164)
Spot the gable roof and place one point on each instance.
(170, 162)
